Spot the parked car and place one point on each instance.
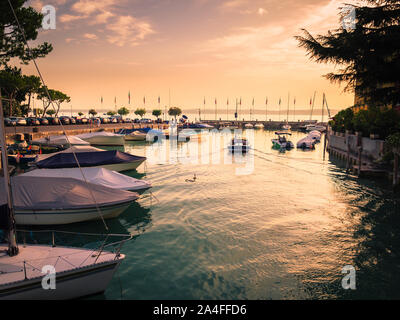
(104, 120)
(32, 121)
(43, 121)
(136, 120)
(79, 120)
(53, 121)
(112, 120)
(65, 120)
(18, 120)
(127, 120)
(10, 122)
(72, 120)
(144, 120)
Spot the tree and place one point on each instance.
(51, 112)
(111, 113)
(12, 43)
(80, 114)
(157, 113)
(174, 112)
(140, 112)
(369, 54)
(57, 97)
(123, 111)
(92, 112)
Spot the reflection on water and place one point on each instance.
(285, 231)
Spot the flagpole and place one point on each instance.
(227, 111)
(294, 109)
(266, 109)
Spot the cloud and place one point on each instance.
(86, 7)
(128, 30)
(90, 36)
(262, 11)
(69, 17)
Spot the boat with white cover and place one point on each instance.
(103, 138)
(60, 141)
(281, 141)
(312, 127)
(89, 157)
(100, 176)
(55, 201)
(306, 143)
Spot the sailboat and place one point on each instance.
(287, 126)
(78, 272)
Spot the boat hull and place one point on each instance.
(135, 137)
(60, 217)
(119, 167)
(72, 284)
(106, 140)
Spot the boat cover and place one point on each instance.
(101, 176)
(44, 193)
(61, 141)
(75, 149)
(86, 159)
(97, 134)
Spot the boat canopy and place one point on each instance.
(44, 193)
(100, 176)
(60, 141)
(86, 159)
(97, 134)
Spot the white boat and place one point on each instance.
(312, 127)
(315, 135)
(103, 138)
(286, 127)
(61, 141)
(135, 136)
(100, 176)
(259, 126)
(239, 145)
(79, 272)
(40, 200)
(306, 143)
(87, 156)
(281, 143)
(248, 126)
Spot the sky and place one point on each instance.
(187, 50)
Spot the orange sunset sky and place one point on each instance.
(214, 48)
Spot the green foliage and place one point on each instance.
(80, 114)
(375, 120)
(140, 112)
(50, 112)
(174, 112)
(92, 112)
(57, 97)
(156, 113)
(12, 44)
(394, 140)
(111, 113)
(368, 56)
(123, 111)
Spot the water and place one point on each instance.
(283, 232)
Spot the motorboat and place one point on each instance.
(102, 138)
(315, 135)
(89, 157)
(239, 145)
(312, 127)
(41, 200)
(248, 126)
(135, 136)
(100, 176)
(258, 126)
(63, 140)
(281, 142)
(286, 127)
(306, 143)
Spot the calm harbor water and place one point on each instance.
(285, 231)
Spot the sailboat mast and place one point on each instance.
(323, 105)
(312, 108)
(288, 104)
(12, 243)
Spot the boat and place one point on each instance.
(62, 140)
(258, 126)
(103, 138)
(313, 127)
(100, 176)
(248, 126)
(306, 143)
(41, 200)
(89, 157)
(286, 127)
(315, 135)
(239, 145)
(281, 142)
(80, 272)
(135, 136)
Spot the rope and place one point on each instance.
(52, 104)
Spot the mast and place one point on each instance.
(323, 105)
(312, 108)
(11, 232)
(288, 104)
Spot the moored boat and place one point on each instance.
(239, 145)
(103, 138)
(281, 141)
